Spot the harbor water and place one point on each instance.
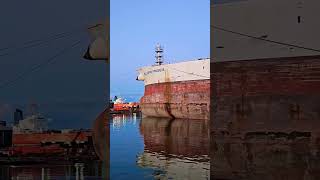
(74, 171)
(154, 148)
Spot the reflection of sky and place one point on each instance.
(181, 26)
(70, 79)
(125, 144)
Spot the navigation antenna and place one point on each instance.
(159, 56)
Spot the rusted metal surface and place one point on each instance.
(101, 141)
(265, 119)
(279, 94)
(36, 149)
(100, 134)
(167, 94)
(52, 144)
(38, 138)
(186, 99)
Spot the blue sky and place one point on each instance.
(181, 26)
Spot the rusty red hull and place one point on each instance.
(38, 138)
(273, 94)
(24, 144)
(185, 99)
(265, 117)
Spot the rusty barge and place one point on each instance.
(29, 140)
(179, 90)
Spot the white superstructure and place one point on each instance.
(286, 22)
(33, 124)
(183, 71)
(198, 69)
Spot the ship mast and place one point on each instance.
(159, 56)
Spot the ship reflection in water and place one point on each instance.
(76, 171)
(169, 149)
(266, 156)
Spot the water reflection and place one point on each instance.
(179, 148)
(120, 120)
(76, 171)
(267, 150)
(267, 156)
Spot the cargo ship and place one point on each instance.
(179, 90)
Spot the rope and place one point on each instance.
(34, 43)
(262, 39)
(38, 66)
(190, 73)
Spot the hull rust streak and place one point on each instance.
(188, 99)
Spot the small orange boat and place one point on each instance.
(120, 106)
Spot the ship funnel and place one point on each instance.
(159, 54)
(98, 49)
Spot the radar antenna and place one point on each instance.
(159, 55)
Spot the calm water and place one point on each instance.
(150, 148)
(76, 171)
